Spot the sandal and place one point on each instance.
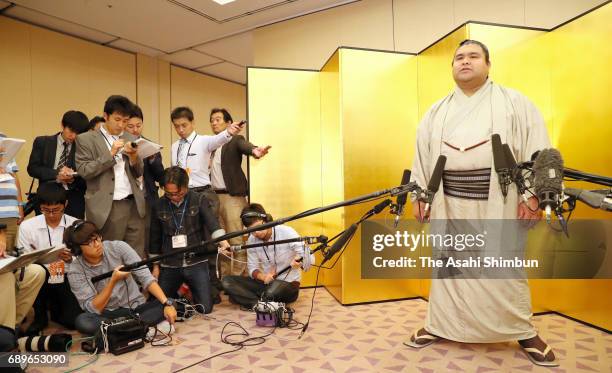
(544, 363)
(412, 341)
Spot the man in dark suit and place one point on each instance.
(106, 159)
(230, 183)
(52, 159)
(153, 168)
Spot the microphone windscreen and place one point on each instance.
(548, 173)
(401, 199)
(499, 160)
(436, 175)
(510, 160)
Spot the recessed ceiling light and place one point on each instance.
(223, 2)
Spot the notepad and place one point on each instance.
(9, 148)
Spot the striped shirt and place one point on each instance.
(9, 207)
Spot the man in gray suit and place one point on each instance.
(106, 159)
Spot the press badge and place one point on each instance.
(56, 272)
(179, 241)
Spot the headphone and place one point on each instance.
(75, 248)
(254, 214)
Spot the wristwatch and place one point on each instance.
(169, 302)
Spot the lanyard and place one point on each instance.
(179, 224)
(178, 161)
(265, 247)
(49, 232)
(111, 145)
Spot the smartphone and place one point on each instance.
(242, 123)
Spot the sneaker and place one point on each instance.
(163, 327)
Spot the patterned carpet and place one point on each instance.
(362, 338)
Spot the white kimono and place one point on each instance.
(478, 310)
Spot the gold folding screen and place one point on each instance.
(350, 130)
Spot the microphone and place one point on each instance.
(339, 244)
(308, 240)
(400, 202)
(548, 171)
(499, 162)
(516, 174)
(434, 183)
(592, 198)
(381, 206)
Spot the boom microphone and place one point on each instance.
(548, 171)
(339, 244)
(591, 198)
(499, 162)
(434, 182)
(400, 202)
(516, 173)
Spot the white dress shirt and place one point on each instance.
(35, 234)
(194, 155)
(122, 183)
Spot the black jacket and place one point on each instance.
(231, 165)
(40, 166)
(197, 220)
(153, 172)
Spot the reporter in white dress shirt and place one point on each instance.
(193, 152)
(41, 232)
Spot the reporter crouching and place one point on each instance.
(118, 296)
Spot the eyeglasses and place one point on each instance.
(54, 211)
(180, 193)
(93, 240)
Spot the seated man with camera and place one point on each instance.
(119, 295)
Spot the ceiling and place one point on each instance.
(199, 35)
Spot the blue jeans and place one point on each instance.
(151, 313)
(196, 276)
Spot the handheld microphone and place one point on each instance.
(499, 162)
(548, 171)
(400, 202)
(339, 244)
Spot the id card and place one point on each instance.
(56, 272)
(179, 241)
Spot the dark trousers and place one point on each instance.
(57, 298)
(247, 291)
(151, 313)
(196, 276)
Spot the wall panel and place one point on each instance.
(379, 121)
(284, 111)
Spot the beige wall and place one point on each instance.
(401, 25)
(44, 74)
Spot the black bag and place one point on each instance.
(32, 203)
(124, 334)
